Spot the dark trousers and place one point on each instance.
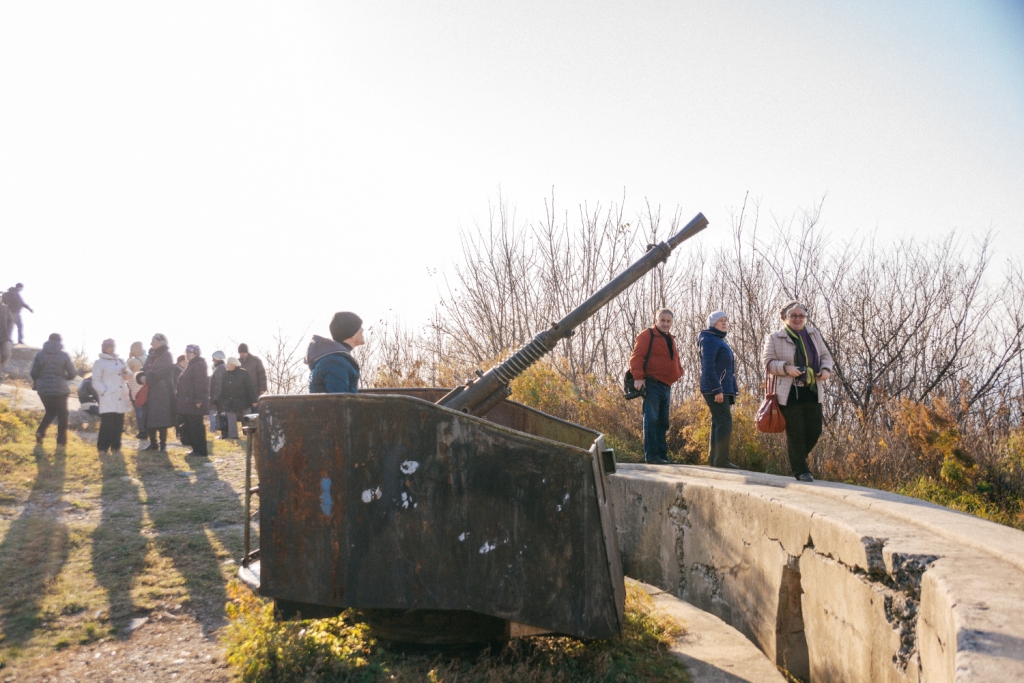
(803, 427)
(195, 432)
(111, 428)
(140, 417)
(21, 327)
(161, 432)
(721, 430)
(656, 421)
(56, 409)
(181, 431)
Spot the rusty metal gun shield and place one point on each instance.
(392, 502)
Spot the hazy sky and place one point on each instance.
(214, 170)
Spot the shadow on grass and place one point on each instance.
(34, 550)
(118, 546)
(182, 507)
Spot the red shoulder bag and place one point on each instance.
(769, 417)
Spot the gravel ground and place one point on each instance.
(166, 647)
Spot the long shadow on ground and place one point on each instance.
(186, 509)
(118, 546)
(34, 550)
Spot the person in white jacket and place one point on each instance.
(109, 379)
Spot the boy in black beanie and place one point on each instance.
(333, 370)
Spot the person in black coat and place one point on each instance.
(237, 395)
(193, 399)
(52, 369)
(160, 405)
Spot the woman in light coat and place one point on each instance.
(110, 381)
(136, 361)
(801, 363)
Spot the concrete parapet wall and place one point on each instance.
(833, 582)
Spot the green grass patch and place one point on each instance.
(343, 649)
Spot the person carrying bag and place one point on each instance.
(799, 364)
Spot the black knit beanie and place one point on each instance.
(344, 325)
(243, 348)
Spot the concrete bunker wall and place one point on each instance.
(833, 582)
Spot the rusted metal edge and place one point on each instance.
(367, 396)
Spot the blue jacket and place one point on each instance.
(333, 370)
(717, 363)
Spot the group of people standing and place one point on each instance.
(165, 393)
(162, 392)
(795, 358)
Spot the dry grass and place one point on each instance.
(88, 542)
(914, 449)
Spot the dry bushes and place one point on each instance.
(342, 648)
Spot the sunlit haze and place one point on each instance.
(215, 170)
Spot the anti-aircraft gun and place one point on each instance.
(444, 516)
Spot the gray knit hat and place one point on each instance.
(715, 317)
(344, 325)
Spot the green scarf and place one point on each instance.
(797, 339)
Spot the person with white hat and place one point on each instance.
(718, 385)
(237, 395)
(217, 421)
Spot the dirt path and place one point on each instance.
(165, 648)
(115, 566)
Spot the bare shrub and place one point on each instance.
(928, 393)
(285, 363)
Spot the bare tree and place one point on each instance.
(286, 365)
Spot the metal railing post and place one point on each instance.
(250, 425)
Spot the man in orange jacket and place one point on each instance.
(656, 366)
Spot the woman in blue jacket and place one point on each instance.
(718, 385)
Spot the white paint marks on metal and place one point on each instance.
(276, 435)
(487, 547)
(463, 535)
(406, 500)
(370, 495)
(409, 466)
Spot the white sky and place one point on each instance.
(213, 170)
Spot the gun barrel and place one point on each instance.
(493, 386)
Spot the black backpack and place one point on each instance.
(628, 387)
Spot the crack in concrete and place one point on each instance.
(900, 591)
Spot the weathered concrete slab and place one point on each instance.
(834, 582)
(713, 651)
